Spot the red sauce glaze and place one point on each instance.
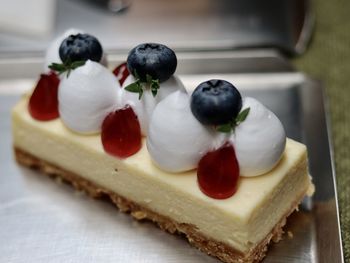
(218, 172)
(121, 133)
(121, 72)
(43, 103)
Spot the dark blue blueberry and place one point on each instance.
(215, 102)
(152, 59)
(80, 47)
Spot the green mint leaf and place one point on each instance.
(154, 87)
(140, 93)
(77, 64)
(242, 116)
(155, 82)
(68, 72)
(225, 128)
(67, 62)
(231, 126)
(133, 87)
(67, 66)
(57, 67)
(154, 92)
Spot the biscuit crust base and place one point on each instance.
(206, 244)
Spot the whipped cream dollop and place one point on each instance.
(145, 106)
(176, 139)
(87, 96)
(259, 141)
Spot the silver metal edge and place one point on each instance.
(260, 60)
(331, 150)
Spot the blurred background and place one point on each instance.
(277, 34)
(28, 26)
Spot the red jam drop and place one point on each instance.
(218, 172)
(121, 72)
(43, 103)
(121, 133)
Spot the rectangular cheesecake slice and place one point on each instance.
(237, 229)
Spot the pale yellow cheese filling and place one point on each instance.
(240, 221)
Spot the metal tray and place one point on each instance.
(41, 221)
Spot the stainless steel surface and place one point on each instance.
(263, 60)
(184, 25)
(41, 221)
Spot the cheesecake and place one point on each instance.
(237, 229)
(222, 174)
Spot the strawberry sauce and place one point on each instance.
(121, 72)
(43, 103)
(218, 172)
(121, 133)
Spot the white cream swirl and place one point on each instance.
(176, 139)
(87, 96)
(259, 141)
(145, 106)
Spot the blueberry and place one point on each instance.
(152, 59)
(80, 47)
(215, 102)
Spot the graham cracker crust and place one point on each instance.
(208, 245)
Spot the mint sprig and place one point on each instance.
(228, 127)
(135, 87)
(225, 128)
(242, 116)
(67, 66)
(153, 84)
(139, 87)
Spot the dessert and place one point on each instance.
(211, 165)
